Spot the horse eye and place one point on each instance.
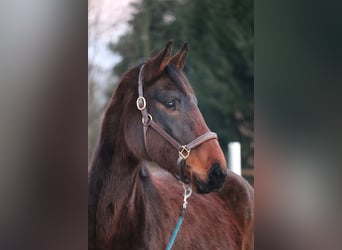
(170, 104)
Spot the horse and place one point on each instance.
(153, 116)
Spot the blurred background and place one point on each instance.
(47, 78)
(220, 34)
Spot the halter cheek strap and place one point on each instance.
(147, 121)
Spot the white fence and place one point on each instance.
(234, 157)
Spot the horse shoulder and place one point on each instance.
(238, 196)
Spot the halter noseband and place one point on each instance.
(147, 121)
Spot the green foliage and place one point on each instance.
(220, 63)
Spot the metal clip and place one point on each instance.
(187, 194)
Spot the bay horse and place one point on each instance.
(152, 117)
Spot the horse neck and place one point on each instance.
(115, 189)
(113, 177)
(122, 178)
(110, 149)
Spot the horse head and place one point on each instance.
(164, 108)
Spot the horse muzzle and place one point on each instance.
(215, 182)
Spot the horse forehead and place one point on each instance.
(168, 83)
(174, 91)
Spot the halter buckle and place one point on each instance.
(141, 103)
(184, 152)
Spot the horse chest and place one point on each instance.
(155, 234)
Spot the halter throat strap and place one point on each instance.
(147, 121)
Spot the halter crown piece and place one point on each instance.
(147, 121)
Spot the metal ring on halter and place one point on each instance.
(184, 152)
(141, 103)
(148, 121)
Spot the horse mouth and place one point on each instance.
(211, 185)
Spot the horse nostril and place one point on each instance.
(216, 180)
(215, 171)
(218, 171)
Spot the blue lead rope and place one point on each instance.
(187, 194)
(175, 232)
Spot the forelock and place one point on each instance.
(179, 79)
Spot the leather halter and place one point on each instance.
(147, 121)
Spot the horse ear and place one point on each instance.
(161, 60)
(180, 57)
